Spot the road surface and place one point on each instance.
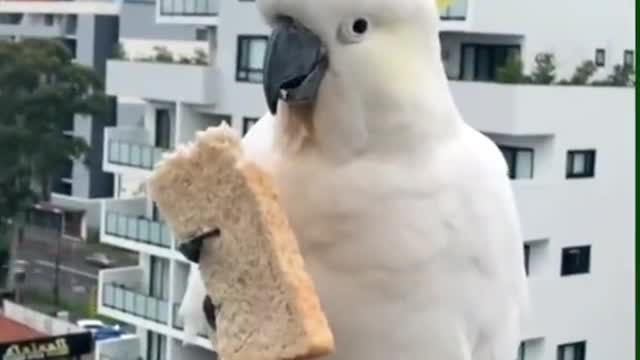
(77, 277)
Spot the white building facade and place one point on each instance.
(570, 149)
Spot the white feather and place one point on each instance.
(191, 308)
(405, 215)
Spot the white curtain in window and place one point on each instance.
(256, 53)
(524, 164)
(569, 353)
(579, 163)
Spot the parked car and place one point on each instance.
(99, 330)
(100, 259)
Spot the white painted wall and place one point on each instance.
(597, 307)
(237, 98)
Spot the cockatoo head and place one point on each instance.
(362, 70)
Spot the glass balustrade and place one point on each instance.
(457, 10)
(189, 7)
(139, 229)
(132, 302)
(134, 155)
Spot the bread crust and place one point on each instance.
(268, 308)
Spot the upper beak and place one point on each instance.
(294, 64)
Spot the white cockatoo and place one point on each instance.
(405, 214)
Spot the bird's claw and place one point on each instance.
(191, 248)
(210, 311)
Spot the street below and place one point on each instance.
(77, 277)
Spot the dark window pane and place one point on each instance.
(576, 260)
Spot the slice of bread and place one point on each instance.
(254, 272)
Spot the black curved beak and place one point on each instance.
(294, 65)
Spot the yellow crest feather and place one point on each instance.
(442, 4)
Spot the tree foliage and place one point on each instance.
(544, 70)
(41, 89)
(512, 72)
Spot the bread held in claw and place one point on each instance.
(266, 304)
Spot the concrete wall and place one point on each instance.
(38, 321)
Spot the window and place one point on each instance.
(251, 50)
(581, 163)
(158, 275)
(63, 187)
(202, 34)
(628, 60)
(156, 346)
(48, 20)
(72, 24)
(576, 260)
(248, 122)
(11, 19)
(66, 170)
(519, 160)
(600, 57)
(71, 45)
(521, 351)
(163, 129)
(481, 62)
(67, 125)
(527, 255)
(575, 351)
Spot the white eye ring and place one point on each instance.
(354, 30)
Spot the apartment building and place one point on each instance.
(90, 31)
(570, 151)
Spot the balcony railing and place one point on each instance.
(179, 324)
(139, 229)
(135, 155)
(189, 7)
(129, 301)
(456, 11)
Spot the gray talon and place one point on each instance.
(210, 311)
(191, 249)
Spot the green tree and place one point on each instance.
(512, 71)
(622, 75)
(544, 70)
(41, 90)
(582, 74)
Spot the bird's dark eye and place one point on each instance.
(360, 26)
(353, 30)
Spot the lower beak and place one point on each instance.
(294, 65)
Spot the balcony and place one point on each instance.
(189, 83)
(513, 109)
(202, 12)
(129, 150)
(122, 297)
(125, 225)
